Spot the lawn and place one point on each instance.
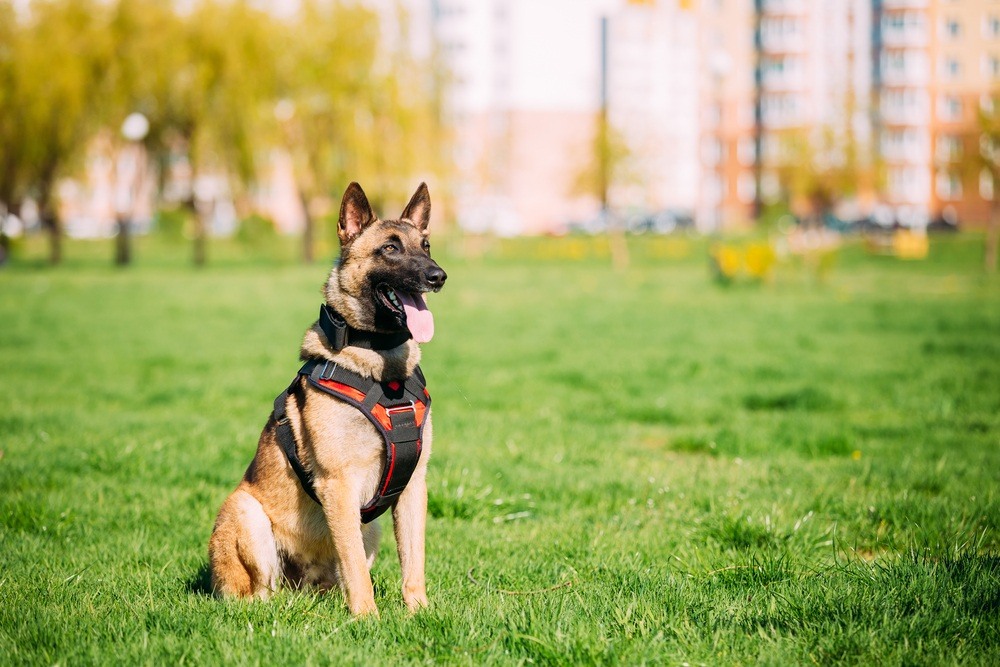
(629, 467)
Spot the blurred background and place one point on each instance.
(216, 118)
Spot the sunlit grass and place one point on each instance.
(629, 467)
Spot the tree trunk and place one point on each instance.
(5, 243)
(992, 238)
(51, 225)
(308, 231)
(49, 217)
(199, 242)
(123, 242)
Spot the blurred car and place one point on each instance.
(665, 221)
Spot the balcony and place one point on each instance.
(905, 4)
(904, 69)
(781, 73)
(775, 42)
(905, 147)
(783, 7)
(905, 114)
(905, 37)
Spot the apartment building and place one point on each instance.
(706, 95)
(728, 129)
(531, 80)
(814, 79)
(523, 103)
(937, 63)
(651, 96)
(902, 61)
(964, 71)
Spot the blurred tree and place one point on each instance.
(607, 168)
(819, 168)
(51, 63)
(222, 84)
(989, 160)
(12, 156)
(326, 94)
(608, 164)
(349, 111)
(202, 80)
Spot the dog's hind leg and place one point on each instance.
(242, 551)
(370, 536)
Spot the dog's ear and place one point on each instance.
(355, 213)
(418, 211)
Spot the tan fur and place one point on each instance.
(268, 530)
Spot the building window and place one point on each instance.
(903, 23)
(904, 105)
(949, 185)
(909, 184)
(991, 66)
(991, 26)
(951, 29)
(775, 29)
(778, 109)
(950, 67)
(904, 145)
(909, 66)
(950, 107)
(948, 148)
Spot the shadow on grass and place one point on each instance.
(200, 583)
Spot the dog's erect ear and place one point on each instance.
(355, 213)
(418, 211)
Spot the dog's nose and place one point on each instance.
(435, 277)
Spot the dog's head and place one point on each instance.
(385, 267)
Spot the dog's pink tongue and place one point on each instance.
(419, 320)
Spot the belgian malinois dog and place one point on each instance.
(270, 530)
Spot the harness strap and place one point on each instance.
(286, 439)
(396, 409)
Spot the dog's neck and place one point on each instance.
(380, 365)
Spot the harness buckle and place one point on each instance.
(396, 409)
(326, 372)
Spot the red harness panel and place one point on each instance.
(398, 411)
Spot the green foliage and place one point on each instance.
(171, 225)
(667, 472)
(211, 79)
(50, 65)
(608, 163)
(256, 231)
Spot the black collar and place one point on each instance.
(340, 334)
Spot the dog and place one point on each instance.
(273, 529)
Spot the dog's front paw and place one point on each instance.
(415, 599)
(366, 608)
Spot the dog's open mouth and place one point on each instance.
(410, 309)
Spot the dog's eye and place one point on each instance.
(426, 245)
(390, 248)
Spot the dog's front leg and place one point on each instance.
(340, 504)
(409, 519)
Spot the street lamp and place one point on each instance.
(130, 171)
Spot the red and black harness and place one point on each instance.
(397, 409)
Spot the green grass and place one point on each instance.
(664, 469)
